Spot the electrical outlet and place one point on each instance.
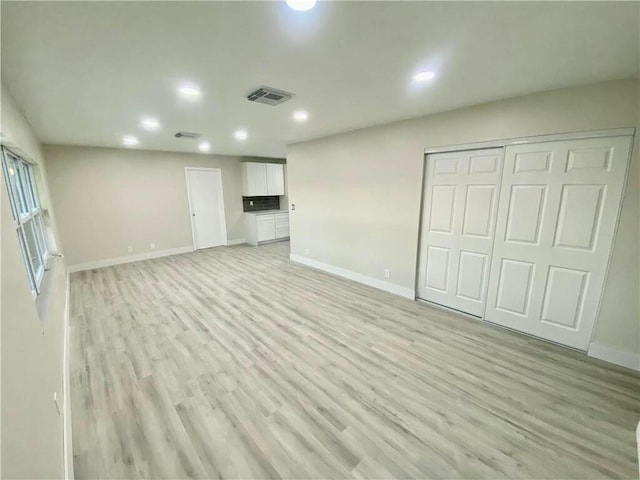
(387, 273)
(129, 249)
(153, 246)
(306, 251)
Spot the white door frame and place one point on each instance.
(614, 132)
(223, 219)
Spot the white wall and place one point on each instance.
(357, 194)
(109, 198)
(32, 334)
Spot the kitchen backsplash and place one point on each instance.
(260, 203)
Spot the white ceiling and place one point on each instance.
(85, 72)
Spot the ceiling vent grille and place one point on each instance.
(189, 135)
(269, 96)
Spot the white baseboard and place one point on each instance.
(356, 277)
(129, 259)
(611, 355)
(236, 241)
(66, 386)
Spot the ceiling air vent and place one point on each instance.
(269, 96)
(190, 135)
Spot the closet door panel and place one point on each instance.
(458, 226)
(556, 220)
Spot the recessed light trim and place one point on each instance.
(301, 5)
(204, 147)
(130, 141)
(241, 134)
(300, 116)
(150, 124)
(190, 91)
(424, 76)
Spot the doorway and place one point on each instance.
(206, 207)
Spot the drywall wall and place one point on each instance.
(108, 199)
(32, 333)
(357, 194)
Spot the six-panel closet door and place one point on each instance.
(458, 223)
(521, 236)
(556, 220)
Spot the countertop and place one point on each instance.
(267, 212)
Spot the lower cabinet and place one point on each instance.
(261, 228)
(265, 228)
(282, 225)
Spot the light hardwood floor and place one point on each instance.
(235, 363)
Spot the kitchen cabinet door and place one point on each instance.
(275, 179)
(266, 228)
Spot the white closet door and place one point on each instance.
(556, 220)
(458, 219)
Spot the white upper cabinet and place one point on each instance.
(254, 179)
(261, 179)
(275, 179)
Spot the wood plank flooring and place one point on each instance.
(235, 363)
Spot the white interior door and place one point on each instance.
(458, 219)
(555, 225)
(206, 205)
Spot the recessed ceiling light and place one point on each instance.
(301, 5)
(424, 76)
(300, 116)
(129, 140)
(204, 146)
(190, 91)
(150, 124)
(241, 135)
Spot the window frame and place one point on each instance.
(28, 217)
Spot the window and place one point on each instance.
(27, 215)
